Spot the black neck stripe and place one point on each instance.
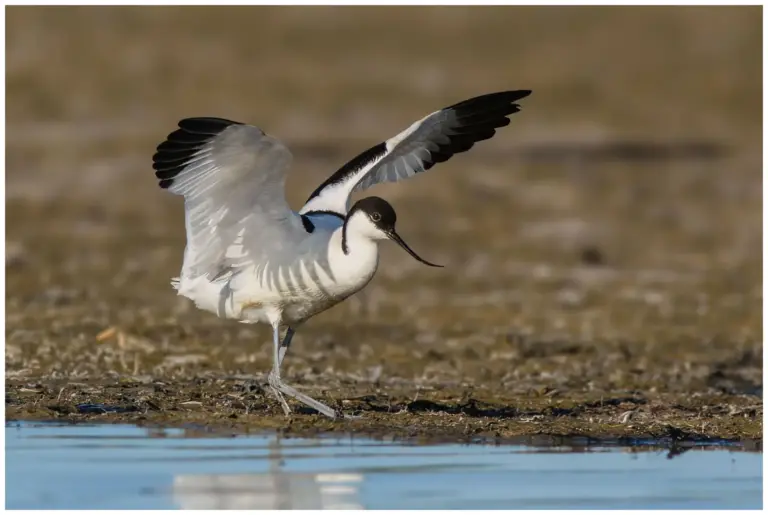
(320, 212)
(344, 248)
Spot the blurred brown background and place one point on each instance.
(609, 238)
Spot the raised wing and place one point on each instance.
(433, 139)
(232, 178)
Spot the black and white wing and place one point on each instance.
(433, 139)
(232, 178)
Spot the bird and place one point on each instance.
(251, 258)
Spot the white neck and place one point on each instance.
(355, 267)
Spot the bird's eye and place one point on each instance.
(375, 217)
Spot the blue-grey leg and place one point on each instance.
(274, 375)
(280, 388)
(286, 344)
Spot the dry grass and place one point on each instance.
(594, 276)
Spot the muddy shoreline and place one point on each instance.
(438, 414)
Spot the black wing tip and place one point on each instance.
(478, 118)
(489, 100)
(511, 95)
(490, 110)
(521, 93)
(508, 96)
(179, 146)
(206, 124)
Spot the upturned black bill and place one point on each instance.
(397, 239)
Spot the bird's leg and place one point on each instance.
(286, 343)
(274, 375)
(281, 388)
(282, 349)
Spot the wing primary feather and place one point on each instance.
(206, 125)
(182, 147)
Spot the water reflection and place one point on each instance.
(52, 466)
(276, 489)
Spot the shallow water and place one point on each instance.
(124, 467)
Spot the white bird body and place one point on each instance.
(249, 297)
(251, 258)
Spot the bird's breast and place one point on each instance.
(298, 286)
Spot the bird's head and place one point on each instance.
(374, 218)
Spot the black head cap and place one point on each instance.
(378, 210)
(383, 216)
